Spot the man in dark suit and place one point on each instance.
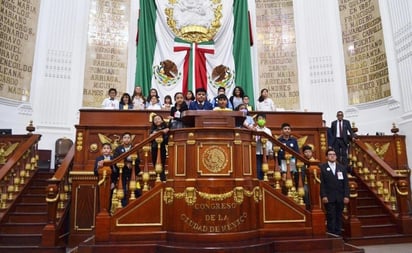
(342, 135)
(334, 191)
(201, 102)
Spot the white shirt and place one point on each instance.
(266, 105)
(332, 166)
(110, 104)
(259, 149)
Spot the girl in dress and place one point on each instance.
(176, 111)
(167, 103)
(138, 98)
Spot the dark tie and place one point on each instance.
(200, 106)
(340, 129)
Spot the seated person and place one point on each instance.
(222, 103)
(201, 102)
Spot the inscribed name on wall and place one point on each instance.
(276, 43)
(106, 56)
(367, 74)
(18, 28)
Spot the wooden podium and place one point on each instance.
(211, 197)
(207, 118)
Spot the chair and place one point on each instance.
(62, 147)
(44, 159)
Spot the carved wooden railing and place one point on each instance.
(18, 167)
(58, 199)
(390, 185)
(144, 181)
(149, 179)
(272, 171)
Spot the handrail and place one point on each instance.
(63, 169)
(54, 192)
(288, 149)
(18, 153)
(135, 148)
(377, 159)
(392, 190)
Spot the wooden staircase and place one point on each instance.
(377, 224)
(22, 227)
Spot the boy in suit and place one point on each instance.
(106, 156)
(127, 169)
(201, 103)
(334, 191)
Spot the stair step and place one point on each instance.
(33, 198)
(22, 228)
(31, 207)
(379, 229)
(366, 201)
(369, 210)
(37, 189)
(371, 219)
(27, 217)
(20, 239)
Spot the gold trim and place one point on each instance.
(212, 144)
(190, 195)
(399, 191)
(76, 226)
(51, 200)
(81, 173)
(286, 204)
(315, 175)
(184, 160)
(160, 223)
(195, 33)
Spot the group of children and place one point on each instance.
(239, 101)
(152, 102)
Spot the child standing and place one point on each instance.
(106, 155)
(176, 111)
(154, 104)
(138, 98)
(126, 102)
(246, 101)
(265, 103)
(261, 127)
(167, 103)
(111, 102)
(159, 125)
(221, 103)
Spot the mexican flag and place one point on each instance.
(184, 45)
